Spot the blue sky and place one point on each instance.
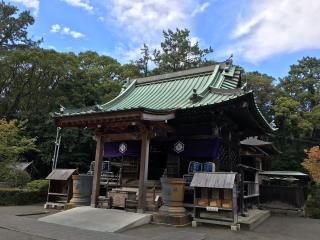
(263, 35)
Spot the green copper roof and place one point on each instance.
(186, 89)
(177, 91)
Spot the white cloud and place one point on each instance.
(52, 47)
(272, 27)
(146, 19)
(84, 4)
(75, 34)
(57, 28)
(33, 4)
(200, 8)
(142, 21)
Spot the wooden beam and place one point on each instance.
(98, 118)
(143, 169)
(111, 137)
(157, 117)
(97, 171)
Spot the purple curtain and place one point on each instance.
(123, 148)
(195, 148)
(186, 148)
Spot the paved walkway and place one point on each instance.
(274, 228)
(98, 219)
(33, 227)
(26, 228)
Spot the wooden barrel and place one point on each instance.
(172, 191)
(82, 187)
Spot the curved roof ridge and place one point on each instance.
(118, 98)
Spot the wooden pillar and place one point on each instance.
(144, 162)
(97, 171)
(242, 207)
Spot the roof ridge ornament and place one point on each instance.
(61, 108)
(195, 97)
(126, 83)
(98, 107)
(228, 62)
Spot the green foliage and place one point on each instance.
(265, 90)
(40, 185)
(13, 27)
(293, 104)
(12, 141)
(13, 177)
(178, 52)
(143, 62)
(16, 196)
(312, 208)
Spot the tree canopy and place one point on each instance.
(13, 143)
(13, 27)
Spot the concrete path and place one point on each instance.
(274, 228)
(35, 228)
(31, 229)
(103, 220)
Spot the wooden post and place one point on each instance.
(242, 192)
(97, 171)
(145, 142)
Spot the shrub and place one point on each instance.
(312, 208)
(13, 177)
(40, 185)
(35, 192)
(16, 196)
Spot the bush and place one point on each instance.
(16, 196)
(14, 177)
(20, 178)
(40, 185)
(35, 192)
(312, 208)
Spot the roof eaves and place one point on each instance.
(269, 126)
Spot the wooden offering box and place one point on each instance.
(215, 198)
(120, 195)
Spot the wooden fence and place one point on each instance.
(293, 195)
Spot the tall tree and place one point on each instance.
(178, 52)
(297, 112)
(143, 62)
(303, 83)
(300, 91)
(264, 89)
(13, 27)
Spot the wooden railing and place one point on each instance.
(251, 189)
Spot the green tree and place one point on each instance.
(264, 89)
(178, 52)
(143, 62)
(13, 27)
(303, 83)
(13, 143)
(297, 113)
(300, 92)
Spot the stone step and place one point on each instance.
(255, 218)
